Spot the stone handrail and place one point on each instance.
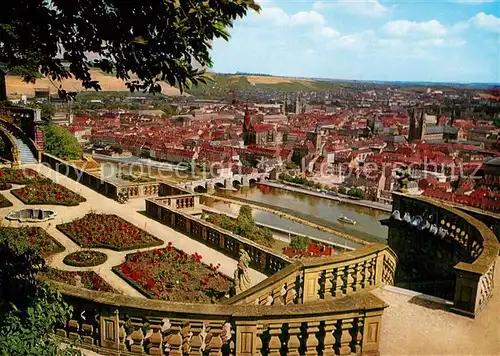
(12, 145)
(323, 278)
(474, 280)
(116, 324)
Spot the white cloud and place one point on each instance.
(405, 27)
(329, 32)
(305, 18)
(372, 8)
(486, 22)
(441, 42)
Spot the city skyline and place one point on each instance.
(445, 41)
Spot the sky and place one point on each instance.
(405, 40)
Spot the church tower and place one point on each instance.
(247, 127)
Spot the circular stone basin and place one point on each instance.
(32, 215)
(85, 258)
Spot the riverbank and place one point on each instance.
(309, 220)
(337, 198)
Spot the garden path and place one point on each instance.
(131, 213)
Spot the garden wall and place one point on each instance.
(263, 259)
(87, 179)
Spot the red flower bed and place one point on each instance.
(4, 202)
(107, 231)
(34, 236)
(47, 193)
(21, 176)
(85, 258)
(89, 279)
(174, 275)
(5, 186)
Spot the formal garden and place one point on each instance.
(4, 202)
(84, 279)
(21, 176)
(173, 275)
(85, 258)
(107, 231)
(47, 193)
(33, 236)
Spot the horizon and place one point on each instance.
(451, 41)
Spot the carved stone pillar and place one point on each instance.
(196, 340)
(343, 337)
(329, 341)
(294, 341)
(246, 338)
(174, 338)
(274, 339)
(312, 339)
(215, 343)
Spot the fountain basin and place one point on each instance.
(31, 215)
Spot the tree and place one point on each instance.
(342, 190)
(154, 40)
(29, 308)
(60, 143)
(356, 193)
(300, 242)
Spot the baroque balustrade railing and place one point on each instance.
(474, 278)
(120, 325)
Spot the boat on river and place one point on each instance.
(346, 220)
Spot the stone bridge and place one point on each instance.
(223, 182)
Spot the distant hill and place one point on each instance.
(16, 86)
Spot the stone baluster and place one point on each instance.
(343, 337)
(73, 329)
(154, 345)
(294, 331)
(274, 340)
(338, 282)
(357, 336)
(137, 337)
(329, 339)
(329, 275)
(258, 340)
(174, 338)
(359, 282)
(196, 339)
(368, 272)
(277, 296)
(214, 339)
(186, 338)
(312, 339)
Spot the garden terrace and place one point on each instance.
(35, 237)
(264, 259)
(173, 275)
(85, 258)
(425, 217)
(89, 279)
(4, 202)
(107, 231)
(47, 193)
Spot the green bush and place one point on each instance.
(300, 242)
(61, 143)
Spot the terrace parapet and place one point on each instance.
(120, 325)
(474, 280)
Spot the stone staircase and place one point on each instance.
(25, 155)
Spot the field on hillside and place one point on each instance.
(16, 86)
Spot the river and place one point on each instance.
(368, 220)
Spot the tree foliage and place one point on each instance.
(300, 242)
(29, 308)
(61, 143)
(156, 40)
(356, 193)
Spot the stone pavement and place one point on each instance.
(412, 326)
(130, 212)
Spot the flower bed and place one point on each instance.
(47, 193)
(89, 279)
(5, 186)
(4, 202)
(173, 275)
(85, 258)
(107, 231)
(21, 176)
(36, 237)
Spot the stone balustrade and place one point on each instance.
(119, 325)
(136, 190)
(323, 278)
(474, 277)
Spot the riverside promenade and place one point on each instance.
(364, 203)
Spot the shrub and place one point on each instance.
(300, 242)
(85, 258)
